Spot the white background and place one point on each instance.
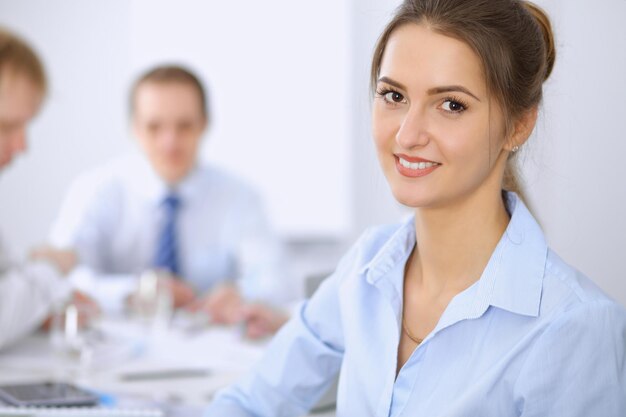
(289, 84)
(277, 82)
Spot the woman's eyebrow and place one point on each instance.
(451, 88)
(392, 82)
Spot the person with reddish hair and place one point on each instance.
(28, 290)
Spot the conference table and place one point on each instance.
(176, 368)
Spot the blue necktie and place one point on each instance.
(166, 256)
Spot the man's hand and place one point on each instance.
(262, 320)
(182, 294)
(152, 285)
(88, 310)
(223, 304)
(63, 260)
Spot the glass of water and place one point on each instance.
(73, 333)
(152, 302)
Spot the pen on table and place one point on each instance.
(164, 374)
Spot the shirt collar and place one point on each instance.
(145, 181)
(512, 279)
(396, 249)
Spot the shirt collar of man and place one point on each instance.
(147, 183)
(512, 279)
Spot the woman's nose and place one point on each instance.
(413, 131)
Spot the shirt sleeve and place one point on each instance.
(28, 293)
(299, 365)
(84, 220)
(263, 273)
(109, 290)
(577, 367)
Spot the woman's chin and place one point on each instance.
(411, 199)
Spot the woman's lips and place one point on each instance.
(414, 166)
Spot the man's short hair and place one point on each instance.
(170, 74)
(17, 57)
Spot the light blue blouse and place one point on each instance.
(532, 337)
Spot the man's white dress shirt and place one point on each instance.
(28, 293)
(112, 216)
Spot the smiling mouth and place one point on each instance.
(414, 167)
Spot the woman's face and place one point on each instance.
(438, 134)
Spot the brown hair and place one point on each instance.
(171, 74)
(18, 57)
(512, 38)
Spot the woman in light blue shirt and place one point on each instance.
(462, 310)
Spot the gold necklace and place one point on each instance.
(408, 333)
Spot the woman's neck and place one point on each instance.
(454, 243)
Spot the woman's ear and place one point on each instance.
(523, 127)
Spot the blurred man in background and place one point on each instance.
(160, 209)
(28, 290)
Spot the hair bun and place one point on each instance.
(548, 36)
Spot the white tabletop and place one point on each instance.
(190, 365)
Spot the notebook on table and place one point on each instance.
(48, 399)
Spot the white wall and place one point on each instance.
(278, 80)
(572, 165)
(575, 165)
(278, 73)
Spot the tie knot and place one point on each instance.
(171, 202)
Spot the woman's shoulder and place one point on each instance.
(576, 356)
(566, 291)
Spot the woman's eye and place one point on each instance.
(453, 106)
(393, 97)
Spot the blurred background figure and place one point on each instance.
(160, 209)
(28, 290)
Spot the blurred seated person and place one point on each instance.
(162, 209)
(28, 290)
